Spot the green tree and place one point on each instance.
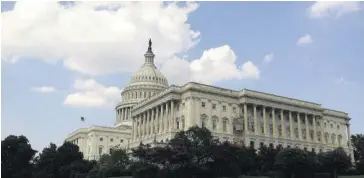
(265, 158)
(357, 141)
(293, 162)
(61, 162)
(335, 161)
(114, 164)
(16, 156)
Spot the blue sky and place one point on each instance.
(57, 67)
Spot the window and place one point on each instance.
(203, 104)
(224, 108)
(213, 106)
(251, 144)
(224, 125)
(121, 141)
(100, 150)
(183, 122)
(331, 125)
(110, 150)
(271, 129)
(213, 124)
(177, 123)
(183, 105)
(339, 139)
(101, 139)
(338, 127)
(333, 138)
(111, 139)
(234, 109)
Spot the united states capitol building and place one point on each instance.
(152, 112)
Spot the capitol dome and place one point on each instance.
(148, 74)
(146, 82)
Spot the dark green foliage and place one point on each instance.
(358, 146)
(16, 156)
(335, 162)
(191, 154)
(64, 161)
(294, 161)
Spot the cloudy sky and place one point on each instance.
(64, 61)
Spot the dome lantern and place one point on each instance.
(149, 55)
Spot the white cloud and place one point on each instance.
(304, 40)
(268, 58)
(177, 71)
(89, 93)
(44, 89)
(92, 40)
(324, 9)
(214, 65)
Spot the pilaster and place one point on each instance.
(255, 119)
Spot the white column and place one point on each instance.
(124, 111)
(299, 126)
(314, 128)
(173, 120)
(291, 125)
(274, 123)
(153, 122)
(144, 124)
(148, 122)
(162, 118)
(129, 112)
(246, 118)
(349, 134)
(158, 120)
(117, 116)
(166, 118)
(264, 122)
(134, 128)
(307, 129)
(283, 125)
(255, 119)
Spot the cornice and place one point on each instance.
(335, 113)
(96, 129)
(280, 99)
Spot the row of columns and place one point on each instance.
(153, 121)
(282, 123)
(123, 114)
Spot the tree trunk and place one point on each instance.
(334, 173)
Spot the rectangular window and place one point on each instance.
(213, 106)
(224, 125)
(100, 150)
(224, 108)
(203, 104)
(203, 124)
(177, 124)
(214, 124)
(234, 109)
